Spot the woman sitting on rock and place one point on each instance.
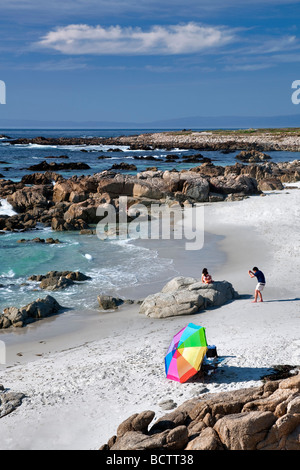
(206, 277)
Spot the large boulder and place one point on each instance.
(18, 317)
(196, 189)
(232, 184)
(27, 198)
(185, 296)
(81, 211)
(74, 189)
(243, 431)
(270, 184)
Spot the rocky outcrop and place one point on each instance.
(19, 317)
(259, 139)
(9, 401)
(124, 166)
(40, 178)
(107, 302)
(232, 184)
(27, 198)
(58, 280)
(185, 296)
(258, 418)
(53, 166)
(71, 204)
(48, 241)
(251, 156)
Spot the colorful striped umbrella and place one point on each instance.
(186, 353)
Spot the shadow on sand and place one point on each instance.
(230, 374)
(282, 300)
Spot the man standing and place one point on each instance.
(261, 282)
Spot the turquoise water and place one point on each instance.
(112, 265)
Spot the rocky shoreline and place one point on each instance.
(262, 140)
(180, 296)
(71, 204)
(258, 418)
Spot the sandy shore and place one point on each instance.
(112, 365)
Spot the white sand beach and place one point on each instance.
(112, 365)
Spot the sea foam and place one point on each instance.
(6, 208)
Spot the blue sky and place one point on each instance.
(140, 61)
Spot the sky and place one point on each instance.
(143, 61)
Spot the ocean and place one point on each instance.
(114, 266)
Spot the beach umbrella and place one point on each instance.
(186, 353)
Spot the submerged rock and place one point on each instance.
(57, 280)
(48, 241)
(53, 166)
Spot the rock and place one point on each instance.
(55, 283)
(185, 296)
(270, 184)
(52, 241)
(88, 232)
(36, 310)
(243, 431)
(107, 302)
(208, 169)
(40, 178)
(196, 189)
(124, 166)
(168, 305)
(208, 439)
(27, 198)
(71, 204)
(171, 439)
(49, 241)
(167, 404)
(58, 280)
(220, 421)
(232, 184)
(137, 422)
(53, 166)
(252, 156)
(82, 211)
(9, 401)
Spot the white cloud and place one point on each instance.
(186, 38)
